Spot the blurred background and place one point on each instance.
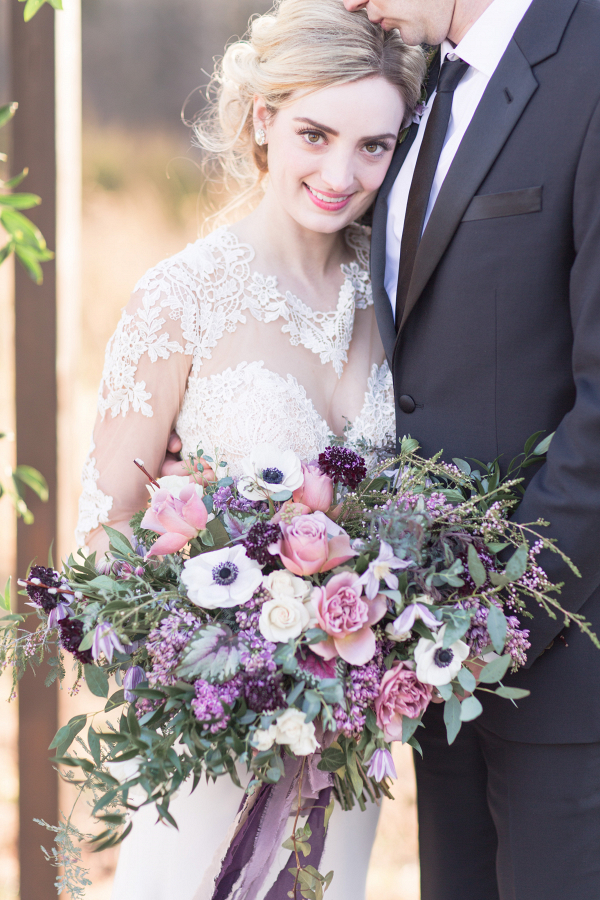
(144, 63)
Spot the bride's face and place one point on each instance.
(328, 151)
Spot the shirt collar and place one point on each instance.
(485, 43)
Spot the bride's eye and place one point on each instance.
(312, 137)
(376, 148)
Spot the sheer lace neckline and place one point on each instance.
(326, 333)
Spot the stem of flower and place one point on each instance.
(298, 866)
(140, 465)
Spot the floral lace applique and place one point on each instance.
(94, 505)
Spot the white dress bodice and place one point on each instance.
(213, 348)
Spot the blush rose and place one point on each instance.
(306, 547)
(400, 694)
(346, 615)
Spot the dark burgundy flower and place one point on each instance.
(44, 591)
(344, 466)
(259, 539)
(263, 692)
(71, 635)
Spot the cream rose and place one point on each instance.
(282, 583)
(264, 738)
(283, 618)
(296, 732)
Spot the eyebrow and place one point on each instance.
(328, 130)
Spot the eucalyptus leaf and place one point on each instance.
(497, 627)
(517, 564)
(96, 680)
(476, 567)
(470, 708)
(543, 446)
(409, 726)
(495, 670)
(512, 693)
(452, 718)
(467, 680)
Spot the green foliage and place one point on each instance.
(25, 240)
(32, 6)
(23, 477)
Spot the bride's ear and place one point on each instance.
(260, 118)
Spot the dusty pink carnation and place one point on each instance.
(346, 615)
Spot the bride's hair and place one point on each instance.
(301, 45)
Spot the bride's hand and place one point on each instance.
(174, 465)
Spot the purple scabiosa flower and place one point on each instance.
(42, 587)
(344, 466)
(208, 704)
(381, 570)
(106, 640)
(133, 676)
(263, 691)
(71, 635)
(382, 765)
(260, 537)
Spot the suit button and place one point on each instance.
(407, 404)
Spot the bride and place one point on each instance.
(264, 331)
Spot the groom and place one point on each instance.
(486, 277)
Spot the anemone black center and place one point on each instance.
(443, 658)
(225, 573)
(272, 475)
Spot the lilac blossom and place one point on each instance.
(382, 765)
(133, 676)
(106, 640)
(208, 703)
(381, 570)
(478, 639)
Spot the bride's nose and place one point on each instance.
(338, 171)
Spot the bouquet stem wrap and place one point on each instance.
(260, 830)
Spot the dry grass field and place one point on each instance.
(134, 215)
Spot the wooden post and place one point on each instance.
(33, 145)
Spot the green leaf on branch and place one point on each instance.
(409, 726)
(33, 6)
(543, 446)
(96, 680)
(497, 627)
(476, 567)
(457, 624)
(470, 709)
(512, 693)
(517, 564)
(467, 680)
(7, 112)
(495, 670)
(20, 201)
(5, 598)
(452, 718)
(65, 735)
(30, 477)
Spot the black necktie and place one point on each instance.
(451, 73)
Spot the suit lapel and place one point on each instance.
(383, 307)
(501, 107)
(505, 99)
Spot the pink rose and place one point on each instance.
(305, 547)
(400, 694)
(177, 519)
(346, 616)
(317, 490)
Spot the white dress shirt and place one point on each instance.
(482, 47)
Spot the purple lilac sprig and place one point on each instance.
(478, 639)
(165, 645)
(208, 703)
(344, 466)
(362, 689)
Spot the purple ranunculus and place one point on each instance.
(382, 765)
(133, 676)
(106, 640)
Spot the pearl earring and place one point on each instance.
(260, 137)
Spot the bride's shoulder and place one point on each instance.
(358, 238)
(200, 265)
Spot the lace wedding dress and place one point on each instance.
(212, 347)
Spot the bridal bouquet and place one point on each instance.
(296, 620)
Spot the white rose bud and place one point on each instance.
(264, 739)
(296, 732)
(282, 583)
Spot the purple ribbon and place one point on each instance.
(255, 845)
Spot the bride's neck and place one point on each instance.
(279, 239)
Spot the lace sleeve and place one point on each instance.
(146, 367)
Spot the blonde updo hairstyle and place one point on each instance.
(300, 46)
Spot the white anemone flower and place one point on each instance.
(437, 665)
(222, 578)
(269, 470)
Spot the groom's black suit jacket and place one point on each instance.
(500, 336)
